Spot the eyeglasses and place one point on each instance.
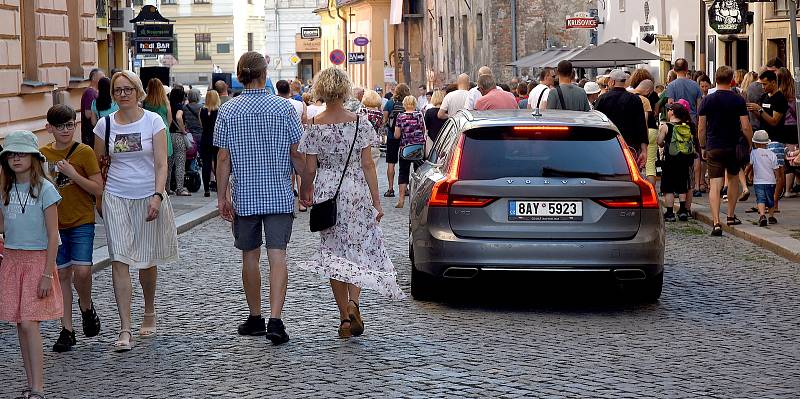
(127, 91)
(18, 154)
(65, 126)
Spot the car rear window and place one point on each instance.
(494, 153)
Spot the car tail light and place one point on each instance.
(623, 202)
(542, 132)
(440, 195)
(648, 197)
(468, 201)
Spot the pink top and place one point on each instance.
(496, 99)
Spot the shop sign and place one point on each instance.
(356, 58)
(337, 57)
(154, 47)
(581, 20)
(154, 30)
(647, 28)
(728, 16)
(307, 45)
(389, 75)
(311, 32)
(361, 41)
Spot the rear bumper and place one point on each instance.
(444, 255)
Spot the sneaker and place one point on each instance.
(65, 342)
(772, 220)
(697, 194)
(683, 216)
(669, 216)
(254, 326)
(762, 221)
(90, 322)
(276, 332)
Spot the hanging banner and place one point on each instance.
(728, 17)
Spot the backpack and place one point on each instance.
(682, 142)
(392, 122)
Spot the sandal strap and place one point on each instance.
(355, 303)
(344, 321)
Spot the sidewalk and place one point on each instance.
(189, 212)
(782, 238)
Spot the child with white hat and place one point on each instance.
(764, 164)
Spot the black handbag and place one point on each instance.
(323, 215)
(743, 151)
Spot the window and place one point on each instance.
(28, 19)
(621, 5)
(466, 58)
(202, 42)
(781, 8)
(249, 41)
(479, 26)
(223, 48)
(102, 6)
(138, 3)
(441, 27)
(452, 45)
(201, 1)
(169, 2)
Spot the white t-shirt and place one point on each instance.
(132, 173)
(422, 102)
(454, 101)
(298, 106)
(314, 110)
(538, 96)
(764, 164)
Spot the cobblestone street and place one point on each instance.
(726, 326)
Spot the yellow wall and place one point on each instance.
(221, 30)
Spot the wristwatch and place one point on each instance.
(159, 196)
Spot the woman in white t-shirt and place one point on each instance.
(140, 223)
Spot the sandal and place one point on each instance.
(389, 193)
(184, 193)
(25, 394)
(717, 230)
(123, 346)
(744, 196)
(356, 324)
(36, 395)
(733, 221)
(148, 332)
(344, 332)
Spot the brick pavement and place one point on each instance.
(726, 327)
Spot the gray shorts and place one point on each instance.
(277, 229)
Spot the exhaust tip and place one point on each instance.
(461, 272)
(629, 274)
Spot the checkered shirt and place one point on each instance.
(258, 129)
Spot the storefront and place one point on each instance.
(308, 57)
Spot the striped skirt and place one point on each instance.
(133, 240)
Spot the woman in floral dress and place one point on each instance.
(352, 254)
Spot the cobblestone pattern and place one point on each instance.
(726, 327)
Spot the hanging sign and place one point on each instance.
(647, 28)
(361, 41)
(728, 17)
(314, 32)
(356, 58)
(581, 20)
(337, 57)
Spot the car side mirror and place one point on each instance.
(413, 152)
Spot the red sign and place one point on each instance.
(581, 23)
(338, 57)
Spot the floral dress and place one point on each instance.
(353, 250)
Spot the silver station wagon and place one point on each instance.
(556, 192)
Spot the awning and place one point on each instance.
(547, 58)
(612, 53)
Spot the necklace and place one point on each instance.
(21, 204)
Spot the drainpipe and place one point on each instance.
(514, 34)
(758, 37)
(344, 35)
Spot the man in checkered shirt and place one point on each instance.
(258, 134)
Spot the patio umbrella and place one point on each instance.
(614, 52)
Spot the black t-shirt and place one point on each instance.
(433, 123)
(775, 103)
(723, 110)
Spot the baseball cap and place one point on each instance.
(591, 88)
(761, 137)
(618, 75)
(680, 103)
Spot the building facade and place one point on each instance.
(47, 49)
(284, 21)
(209, 34)
(674, 27)
(460, 37)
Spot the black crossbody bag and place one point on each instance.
(323, 215)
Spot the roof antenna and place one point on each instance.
(536, 113)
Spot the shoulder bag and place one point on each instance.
(105, 164)
(323, 215)
(560, 97)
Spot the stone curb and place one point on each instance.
(780, 244)
(184, 223)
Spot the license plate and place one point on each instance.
(537, 211)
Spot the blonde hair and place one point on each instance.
(135, 81)
(437, 98)
(410, 102)
(212, 100)
(371, 99)
(332, 85)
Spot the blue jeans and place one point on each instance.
(765, 194)
(77, 246)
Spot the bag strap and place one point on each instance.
(347, 163)
(539, 101)
(561, 97)
(72, 149)
(108, 131)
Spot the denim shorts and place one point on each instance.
(77, 246)
(765, 194)
(779, 150)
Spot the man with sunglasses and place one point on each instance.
(537, 98)
(76, 172)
